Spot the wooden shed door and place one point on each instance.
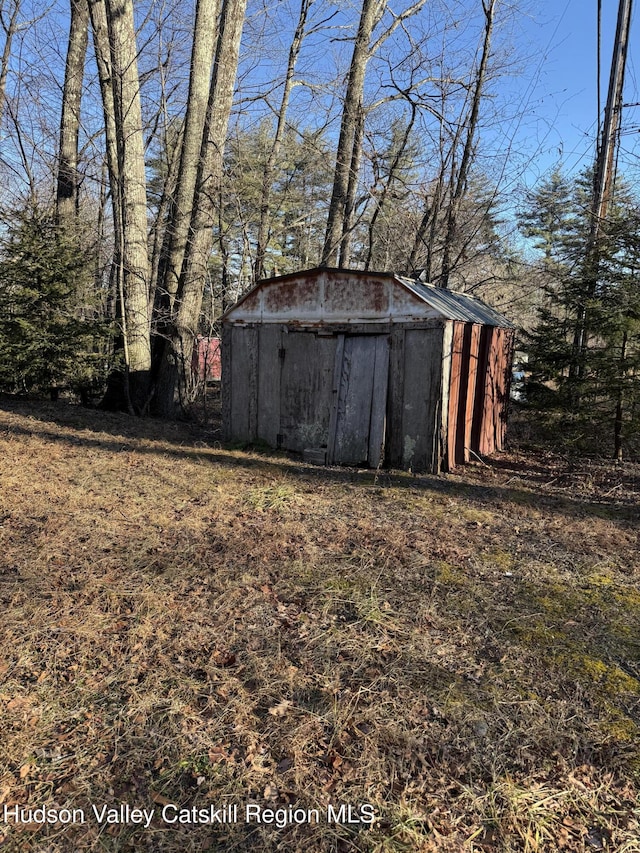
(306, 390)
(357, 427)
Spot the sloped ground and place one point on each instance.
(185, 624)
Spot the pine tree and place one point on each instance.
(48, 337)
(595, 385)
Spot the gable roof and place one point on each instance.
(435, 301)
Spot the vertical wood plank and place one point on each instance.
(226, 386)
(478, 430)
(355, 393)
(395, 398)
(379, 401)
(335, 389)
(422, 396)
(472, 336)
(454, 421)
(269, 370)
(243, 404)
(306, 390)
(253, 358)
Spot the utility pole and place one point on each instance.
(603, 184)
(607, 146)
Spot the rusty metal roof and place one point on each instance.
(456, 306)
(441, 303)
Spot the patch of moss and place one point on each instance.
(498, 558)
(618, 726)
(473, 514)
(448, 574)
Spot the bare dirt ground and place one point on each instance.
(188, 625)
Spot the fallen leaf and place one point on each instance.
(17, 703)
(280, 709)
(218, 754)
(223, 657)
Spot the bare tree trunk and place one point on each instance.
(460, 182)
(98, 15)
(134, 256)
(68, 179)
(115, 396)
(344, 258)
(204, 43)
(337, 241)
(9, 25)
(348, 131)
(175, 370)
(270, 166)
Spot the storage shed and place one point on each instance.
(205, 359)
(359, 368)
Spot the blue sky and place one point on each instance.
(564, 95)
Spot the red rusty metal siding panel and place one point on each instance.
(291, 296)
(251, 302)
(492, 388)
(470, 366)
(206, 362)
(499, 360)
(456, 381)
(478, 436)
(504, 359)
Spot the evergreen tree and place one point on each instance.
(593, 299)
(49, 337)
(548, 219)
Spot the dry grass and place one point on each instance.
(188, 624)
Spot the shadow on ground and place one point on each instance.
(188, 440)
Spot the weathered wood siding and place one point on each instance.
(421, 399)
(240, 383)
(361, 371)
(269, 374)
(358, 368)
(306, 390)
(462, 394)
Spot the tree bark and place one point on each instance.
(344, 256)
(133, 256)
(204, 43)
(619, 417)
(348, 132)
(98, 14)
(10, 27)
(68, 178)
(174, 379)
